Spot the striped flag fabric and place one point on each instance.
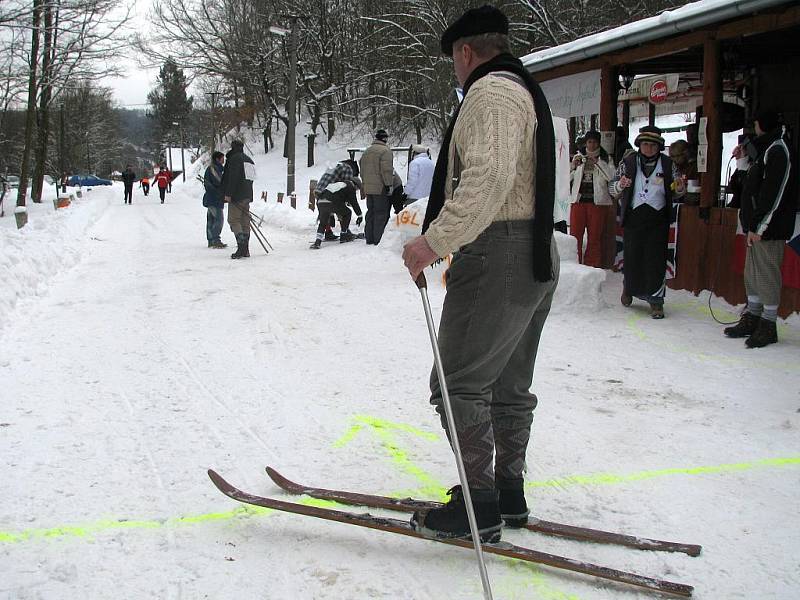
(672, 245)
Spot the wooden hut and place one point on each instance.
(723, 59)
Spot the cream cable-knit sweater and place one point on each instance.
(494, 138)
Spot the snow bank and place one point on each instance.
(50, 243)
(578, 288)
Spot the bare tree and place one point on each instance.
(30, 118)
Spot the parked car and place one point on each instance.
(87, 181)
(13, 181)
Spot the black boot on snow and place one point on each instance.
(513, 507)
(330, 236)
(451, 521)
(316, 245)
(346, 237)
(766, 333)
(744, 328)
(242, 250)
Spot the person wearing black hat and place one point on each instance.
(767, 215)
(377, 173)
(592, 168)
(491, 205)
(237, 187)
(644, 185)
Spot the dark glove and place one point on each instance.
(387, 190)
(705, 213)
(359, 219)
(560, 226)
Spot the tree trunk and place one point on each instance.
(40, 160)
(30, 118)
(373, 110)
(331, 118)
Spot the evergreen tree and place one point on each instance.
(168, 99)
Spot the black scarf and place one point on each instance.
(648, 164)
(545, 163)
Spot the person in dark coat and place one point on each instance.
(237, 187)
(212, 200)
(644, 185)
(128, 179)
(767, 215)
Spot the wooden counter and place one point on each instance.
(706, 254)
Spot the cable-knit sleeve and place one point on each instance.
(614, 188)
(494, 126)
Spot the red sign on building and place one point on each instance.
(658, 91)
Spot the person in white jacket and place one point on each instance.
(420, 174)
(591, 172)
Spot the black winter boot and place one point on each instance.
(744, 328)
(330, 236)
(451, 521)
(242, 251)
(346, 237)
(766, 333)
(316, 245)
(513, 507)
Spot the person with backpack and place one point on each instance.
(237, 188)
(212, 200)
(163, 179)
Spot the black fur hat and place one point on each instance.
(486, 19)
(592, 134)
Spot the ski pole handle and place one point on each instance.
(421, 282)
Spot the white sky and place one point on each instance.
(131, 91)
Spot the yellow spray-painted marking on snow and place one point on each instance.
(104, 525)
(701, 309)
(386, 432)
(613, 479)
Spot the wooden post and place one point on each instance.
(572, 128)
(608, 97)
(651, 113)
(609, 92)
(310, 137)
(712, 105)
(280, 197)
(626, 118)
(312, 195)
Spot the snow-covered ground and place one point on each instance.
(132, 358)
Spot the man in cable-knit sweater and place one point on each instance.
(491, 205)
